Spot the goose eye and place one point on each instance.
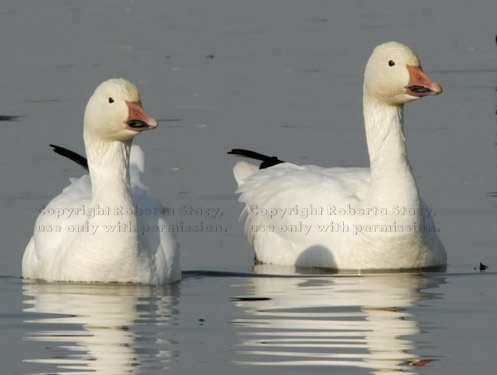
(391, 63)
(111, 100)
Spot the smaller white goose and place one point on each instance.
(104, 227)
(349, 218)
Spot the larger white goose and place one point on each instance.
(105, 227)
(349, 218)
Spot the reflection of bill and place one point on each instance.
(92, 324)
(339, 321)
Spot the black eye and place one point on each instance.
(111, 100)
(391, 63)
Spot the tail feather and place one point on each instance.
(75, 157)
(136, 158)
(242, 170)
(267, 161)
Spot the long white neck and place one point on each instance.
(108, 162)
(115, 225)
(392, 182)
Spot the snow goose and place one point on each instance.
(351, 219)
(104, 227)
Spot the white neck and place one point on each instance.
(392, 182)
(108, 162)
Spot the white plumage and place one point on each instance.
(105, 227)
(350, 218)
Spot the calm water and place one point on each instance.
(281, 77)
(222, 324)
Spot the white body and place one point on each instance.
(350, 218)
(105, 227)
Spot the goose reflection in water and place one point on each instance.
(96, 326)
(341, 321)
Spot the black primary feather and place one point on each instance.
(267, 161)
(75, 157)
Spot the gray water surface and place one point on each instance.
(223, 324)
(280, 77)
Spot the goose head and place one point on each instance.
(115, 113)
(394, 76)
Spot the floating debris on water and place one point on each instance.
(481, 267)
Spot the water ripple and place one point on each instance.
(361, 322)
(99, 328)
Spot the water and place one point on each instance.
(222, 323)
(280, 77)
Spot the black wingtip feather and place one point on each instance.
(75, 157)
(267, 161)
